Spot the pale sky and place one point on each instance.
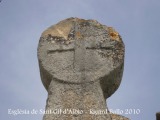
(23, 21)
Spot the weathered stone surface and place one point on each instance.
(118, 117)
(81, 65)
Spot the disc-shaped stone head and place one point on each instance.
(78, 51)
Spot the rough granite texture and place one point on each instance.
(118, 117)
(81, 65)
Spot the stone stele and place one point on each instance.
(81, 65)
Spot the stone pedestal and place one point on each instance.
(81, 65)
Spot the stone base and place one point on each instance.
(118, 117)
